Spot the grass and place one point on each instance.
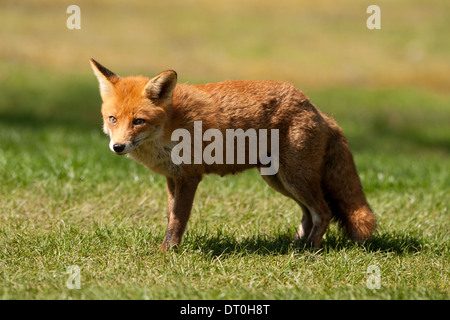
(66, 200)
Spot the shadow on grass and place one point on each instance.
(279, 244)
(394, 242)
(221, 244)
(73, 123)
(379, 134)
(31, 102)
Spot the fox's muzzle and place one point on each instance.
(120, 148)
(124, 148)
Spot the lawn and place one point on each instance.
(66, 200)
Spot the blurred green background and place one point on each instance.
(318, 46)
(312, 44)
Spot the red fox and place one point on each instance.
(313, 164)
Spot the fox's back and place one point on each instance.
(242, 95)
(242, 104)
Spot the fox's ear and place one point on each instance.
(106, 79)
(160, 88)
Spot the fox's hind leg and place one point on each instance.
(304, 229)
(306, 225)
(275, 183)
(316, 213)
(315, 224)
(321, 217)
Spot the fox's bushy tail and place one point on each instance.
(343, 190)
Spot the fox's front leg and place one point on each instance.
(180, 193)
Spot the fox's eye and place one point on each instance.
(138, 122)
(112, 120)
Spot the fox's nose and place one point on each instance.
(118, 147)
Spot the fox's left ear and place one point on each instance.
(106, 79)
(160, 88)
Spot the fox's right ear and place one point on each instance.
(160, 88)
(106, 79)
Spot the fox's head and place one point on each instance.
(134, 108)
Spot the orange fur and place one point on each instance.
(316, 167)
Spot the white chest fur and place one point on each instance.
(156, 156)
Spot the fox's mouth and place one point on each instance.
(121, 149)
(128, 146)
